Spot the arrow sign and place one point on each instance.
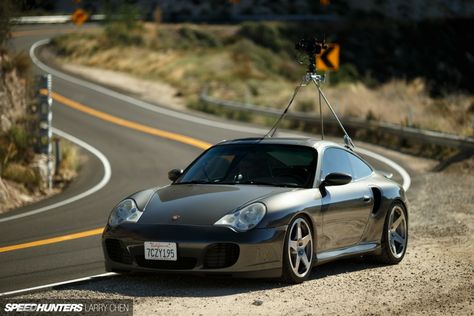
(329, 58)
(79, 17)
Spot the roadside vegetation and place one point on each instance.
(256, 63)
(23, 171)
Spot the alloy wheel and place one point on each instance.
(397, 232)
(300, 247)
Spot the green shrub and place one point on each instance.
(347, 73)
(262, 59)
(194, 37)
(265, 34)
(22, 63)
(19, 136)
(70, 157)
(21, 174)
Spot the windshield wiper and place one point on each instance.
(195, 182)
(289, 185)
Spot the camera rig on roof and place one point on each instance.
(312, 47)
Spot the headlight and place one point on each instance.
(125, 211)
(245, 218)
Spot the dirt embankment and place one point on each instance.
(435, 278)
(23, 171)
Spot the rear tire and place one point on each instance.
(298, 251)
(395, 235)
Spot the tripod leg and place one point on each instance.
(321, 116)
(346, 135)
(274, 128)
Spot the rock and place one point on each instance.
(257, 302)
(4, 194)
(40, 168)
(5, 123)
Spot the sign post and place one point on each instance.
(45, 122)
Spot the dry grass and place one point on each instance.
(71, 161)
(21, 174)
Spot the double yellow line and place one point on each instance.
(118, 121)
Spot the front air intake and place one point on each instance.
(117, 252)
(221, 255)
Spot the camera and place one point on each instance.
(311, 47)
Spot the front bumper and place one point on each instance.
(201, 250)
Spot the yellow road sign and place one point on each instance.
(79, 17)
(329, 58)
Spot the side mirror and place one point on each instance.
(174, 174)
(336, 178)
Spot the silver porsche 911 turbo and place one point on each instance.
(260, 207)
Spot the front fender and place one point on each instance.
(142, 198)
(282, 207)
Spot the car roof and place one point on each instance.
(301, 141)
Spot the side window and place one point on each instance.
(359, 168)
(335, 160)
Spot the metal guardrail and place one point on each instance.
(424, 136)
(51, 19)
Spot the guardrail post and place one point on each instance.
(57, 155)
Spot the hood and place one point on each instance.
(201, 204)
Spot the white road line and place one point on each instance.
(228, 126)
(103, 182)
(405, 176)
(51, 285)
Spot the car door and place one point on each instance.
(345, 208)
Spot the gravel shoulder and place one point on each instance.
(435, 278)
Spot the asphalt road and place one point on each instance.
(138, 160)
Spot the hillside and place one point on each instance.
(256, 63)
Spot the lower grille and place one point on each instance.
(221, 255)
(183, 263)
(117, 252)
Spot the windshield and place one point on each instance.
(258, 164)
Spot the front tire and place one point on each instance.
(395, 235)
(298, 251)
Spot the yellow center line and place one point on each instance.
(129, 124)
(116, 120)
(53, 240)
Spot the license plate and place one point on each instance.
(160, 251)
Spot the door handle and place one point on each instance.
(367, 198)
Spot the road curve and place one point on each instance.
(137, 160)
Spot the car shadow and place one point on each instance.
(342, 266)
(176, 285)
